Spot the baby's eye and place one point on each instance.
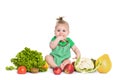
(63, 30)
(58, 30)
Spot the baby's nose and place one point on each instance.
(61, 33)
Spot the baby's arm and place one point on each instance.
(54, 43)
(76, 51)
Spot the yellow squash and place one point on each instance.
(106, 63)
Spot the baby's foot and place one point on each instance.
(62, 66)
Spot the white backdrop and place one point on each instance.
(94, 27)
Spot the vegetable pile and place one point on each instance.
(30, 59)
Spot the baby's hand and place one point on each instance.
(74, 58)
(60, 38)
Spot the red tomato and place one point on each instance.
(21, 70)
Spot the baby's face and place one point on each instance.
(61, 30)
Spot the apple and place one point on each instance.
(57, 70)
(69, 68)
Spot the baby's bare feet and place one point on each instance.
(62, 66)
(65, 62)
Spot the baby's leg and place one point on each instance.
(64, 63)
(49, 59)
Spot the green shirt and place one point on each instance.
(63, 43)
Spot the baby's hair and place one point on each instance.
(61, 21)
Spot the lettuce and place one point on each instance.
(30, 59)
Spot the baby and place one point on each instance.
(61, 45)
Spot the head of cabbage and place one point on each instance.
(85, 65)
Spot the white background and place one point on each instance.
(94, 27)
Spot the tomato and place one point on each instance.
(21, 70)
